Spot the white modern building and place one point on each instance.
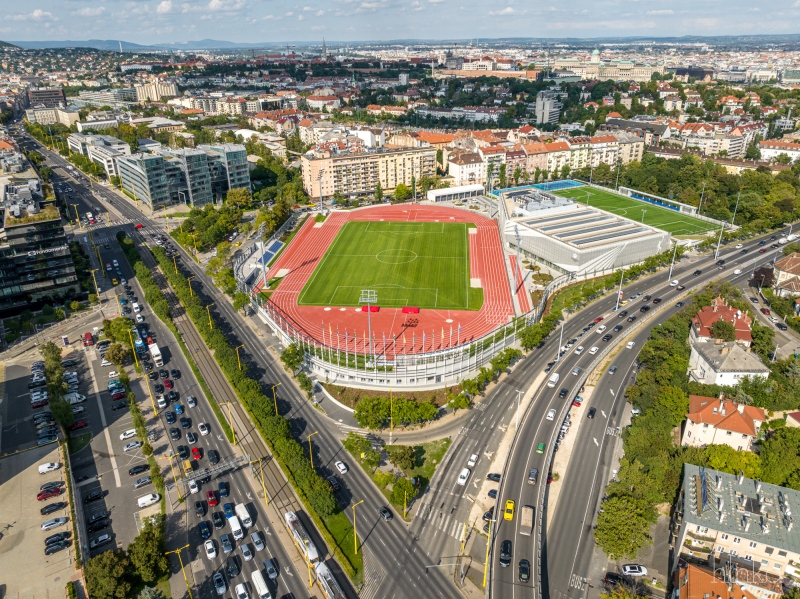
(52, 116)
(155, 91)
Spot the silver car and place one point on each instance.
(257, 540)
(272, 571)
(53, 523)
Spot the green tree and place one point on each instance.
(379, 192)
(401, 192)
(372, 412)
(763, 339)
(502, 175)
(726, 459)
(372, 458)
(146, 552)
(403, 491)
(764, 276)
(356, 444)
(722, 329)
(239, 197)
(45, 173)
(50, 352)
(623, 527)
(459, 402)
(107, 575)
(293, 357)
(117, 353)
(118, 329)
(403, 457)
(623, 591)
(62, 412)
(675, 401)
(240, 300)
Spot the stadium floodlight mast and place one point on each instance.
(722, 228)
(369, 297)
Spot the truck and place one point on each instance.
(792, 237)
(553, 380)
(244, 515)
(526, 520)
(328, 583)
(301, 538)
(783, 240)
(156, 353)
(139, 345)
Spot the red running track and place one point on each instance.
(431, 329)
(519, 287)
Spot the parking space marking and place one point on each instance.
(105, 427)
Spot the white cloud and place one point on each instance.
(797, 4)
(435, 1)
(308, 8)
(164, 7)
(290, 14)
(507, 11)
(321, 12)
(666, 11)
(318, 28)
(90, 12)
(301, 18)
(229, 5)
(37, 15)
(417, 6)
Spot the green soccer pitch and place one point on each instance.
(409, 264)
(665, 219)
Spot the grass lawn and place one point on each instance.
(408, 264)
(429, 456)
(341, 530)
(655, 216)
(78, 442)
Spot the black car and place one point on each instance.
(232, 566)
(613, 579)
(488, 515)
(762, 242)
(744, 251)
(385, 513)
(592, 412)
(98, 516)
(176, 374)
(173, 396)
(331, 479)
(622, 314)
(218, 519)
(56, 547)
(782, 326)
(524, 570)
(53, 484)
(57, 538)
(119, 405)
(607, 338)
(138, 469)
(563, 393)
(153, 376)
(646, 298)
(618, 328)
(159, 388)
(493, 477)
(147, 366)
(53, 507)
(170, 416)
(175, 434)
(97, 526)
(183, 451)
(95, 495)
(631, 318)
(199, 509)
(205, 530)
(67, 363)
(697, 272)
(185, 422)
(163, 373)
(644, 309)
(656, 300)
(505, 553)
(213, 456)
(493, 493)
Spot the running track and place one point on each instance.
(415, 333)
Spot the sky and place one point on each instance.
(157, 21)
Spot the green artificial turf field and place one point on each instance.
(409, 264)
(665, 219)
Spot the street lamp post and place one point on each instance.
(643, 213)
(275, 397)
(674, 253)
(702, 193)
(133, 348)
(189, 282)
(719, 241)
(186, 580)
(237, 356)
(77, 216)
(355, 535)
(310, 451)
(227, 404)
(519, 395)
(175, 263)
(211, 322)
(369, 297)
(619, 294)
(486, 561)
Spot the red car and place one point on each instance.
(598, 319)
(120, 395)
(212, 499)
(761, 251)
(39, 404)
(577, 404)
(168, 384)
(765, 311)
(79, 425)
(139, 226)
(49, 493)
(196, 453)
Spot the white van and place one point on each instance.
(259, 586)
(553, 380)
(236, 528)
(136, 307)
(148, 500)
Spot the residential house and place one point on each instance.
(720, 421)
(692, 581)
(787, 275)
(466, 168)
(773, 148)
(704, 320)
(724, 363)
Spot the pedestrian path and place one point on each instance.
(374, 575)
(446, 523)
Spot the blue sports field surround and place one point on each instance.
(637, 196)
(551, 186)
(273, 249)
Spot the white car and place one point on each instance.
(193, 487)
(594, 350)
(131, 446)
(115, 263)
(191, 401)
(341, 466)
(630, 344)
(773, 320)
(203, 428)
(601, 329)
(128, 434)
(161, 402)
(240, 592)
(579, 350)
(53, 523)
(636, 569)
(738, 271)
(211, 549)
(49, 467)
(464, 476)
(105, 363)
(738, 247)
(113, 374)
(139, 318)
(473, 459)
(674, 283)
(78, 409)
(551, 414)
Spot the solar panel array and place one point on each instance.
(273, 249)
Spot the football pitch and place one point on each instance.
(665, 219)
(425, 265)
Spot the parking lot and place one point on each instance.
(25, 570)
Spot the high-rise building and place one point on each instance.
(155, 91)
(49, 97)
(36, 265)
(193, 176)
(548, 107)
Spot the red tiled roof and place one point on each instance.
(725, 414)
(719, 310)
(789, 264)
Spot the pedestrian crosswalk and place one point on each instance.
(374, 574)
(447, 523)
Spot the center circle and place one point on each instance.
(398, 256)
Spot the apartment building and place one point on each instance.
(48, 97)
(728, 519)
(724, 363)
(36, 264)
(101, 149)
(466, 168)
(770, 150)
(358, 173)
(52, 116)
(705, 319)
(548, 107)
(108, 97)
(155, 91)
